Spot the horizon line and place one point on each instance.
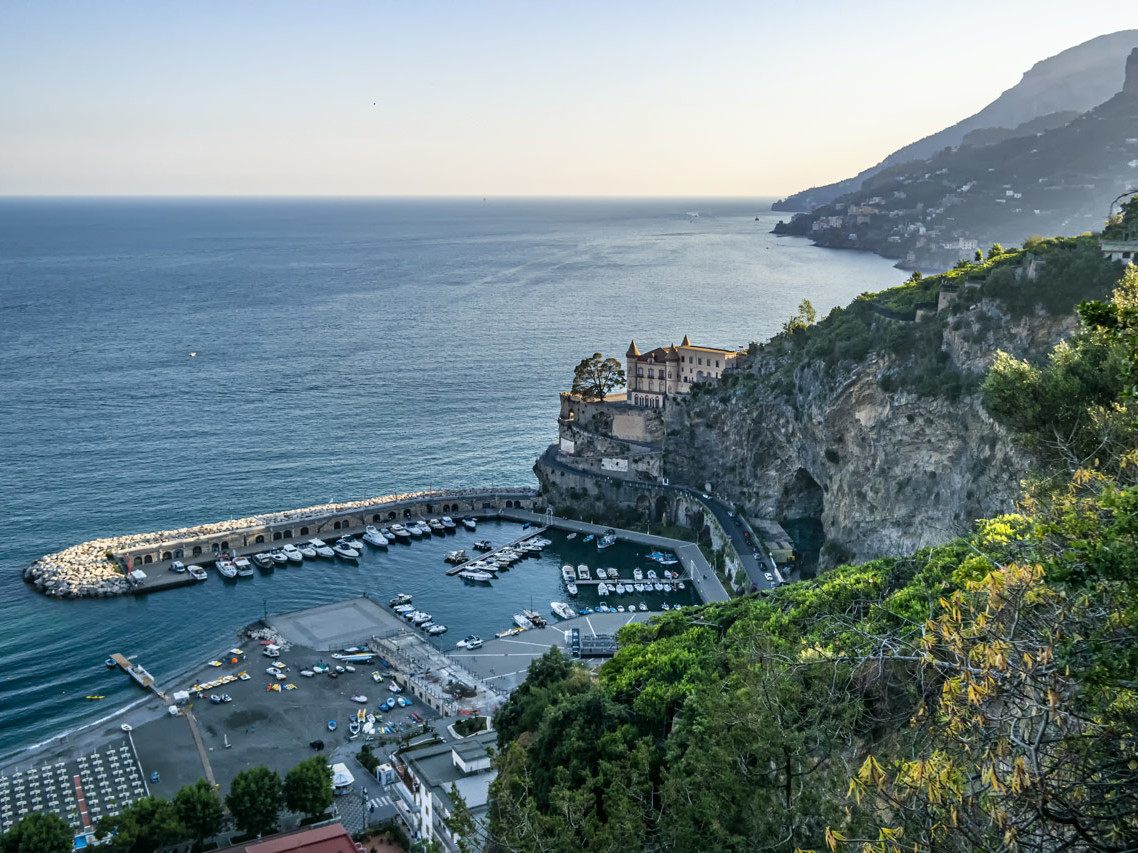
(456, 196)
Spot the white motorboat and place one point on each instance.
(607, 540)
(583, 572)
(308, 552)
(374, 537)
(522, 622)
(567, 574)
(620, 608)
(681, 585)
(244, 567)
(278, 557)
(401, 533)
(448, 524)
(345, 552)
(571, 588)
(602, 588)
(620, 589)
(401, 598)
(387, 534)
(637, 574)
(469, 522)
(483, 545)
(436, 526)
(403, 608)
(293, 553)
(561, 609)
(471, 642)
(475, 575)
(422, 618)
(414, 531)
(197, 573)
(322, 549)
(659, 587)
(651, 574)
(435, 630)
(456, 557)
(351, 542)
(225, 568)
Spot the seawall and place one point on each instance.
(98, 568)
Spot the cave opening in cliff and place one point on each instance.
(802, 503)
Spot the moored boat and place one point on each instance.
(469, 522)
(567, 574)
(292, 553)
(374, 537)
(225, 568)
(262, 561)
(386, 533)
(583, 572)
(197, 573)
(483, 545)
(278, 557)
(321, 548)
(477, 576)
(401, 533)
(571, 588)
(607, 540)
(448, 524)
(456, 557)
(307, 551)
(471, 642)
(561, 609)
(345, 552)
(435, 629)
(244, 567)
(522, 622)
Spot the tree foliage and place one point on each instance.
(255, 800)
(308, 787)
(596, 376)
(199, 809)
(38, 832)
(144, 826)
(801, 319)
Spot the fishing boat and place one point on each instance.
(522, 622)
(471, 642)
(469, 522)
(607, 540)
(561, 609)
(278, 557)
(401, 598)
(345, 552)
(374, 537)
(473, 575)
(308, 552)
(571, 588)
(322, 549)
(197, 573)
(293, 553)
(331, 725)
(448, 524)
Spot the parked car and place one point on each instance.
(770, 577)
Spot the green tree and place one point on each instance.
(255, 800)
(468, 834)
(38, 832)
(916, 277)
(200, 810)
(979, 256)
(308, 787)
(802, 318)
(142, 827)
(594, 377)
(996, 249)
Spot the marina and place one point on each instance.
(488, 555)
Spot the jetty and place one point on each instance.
(136, 671)
(529, 534)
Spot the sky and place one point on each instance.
(747, 99)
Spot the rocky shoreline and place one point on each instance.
(92, 569)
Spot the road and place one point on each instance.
(755, 567)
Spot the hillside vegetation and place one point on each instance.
(978, 695)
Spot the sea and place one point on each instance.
(169, 362)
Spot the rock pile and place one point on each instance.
(83, 571)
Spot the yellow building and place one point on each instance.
(666, 371)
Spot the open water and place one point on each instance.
(343, 348)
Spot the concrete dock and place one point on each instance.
(529, 534)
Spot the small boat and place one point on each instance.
(571, 588)
(386, 533)
(307, 673)
(536, 618)
(602, 588)
(583, 572)
(522, 622)
(589, 538)
(308, 552)
(359, 697)
(215, 699)
(448, 524)
(401, 598)
(421, 618)
(110, 663)
(353, 727)
(345, 552)
(95, 698)
(680, 585)
(509, 632)
(607, 540)
(483, 545)
(651, 574)
(659, 587)
(271, 652)
(473, 575)
(620, 608)
(571, 536)
(403, 608)
(666, 606)
(197, 573)
(469, 522)
(293, 553)
(561, 609)
(436, 629)
(331, 725)
(620, 589)
(322, 549)
(351, 542)
(471, 642)
(244, 567)
(374, 537)
(178, 566)
(567, 574)
(585, 611)
(425, 527)
(262, 561)
(415, 531)
(279, 557)
(456, 557)
(603, 607)
(642, 607)
(436, 526)
(226, 569)
(394, 688)
(637, 574)
(401, 533)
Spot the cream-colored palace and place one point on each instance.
(666, 371)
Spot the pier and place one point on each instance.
(529, 534)
(136, 671)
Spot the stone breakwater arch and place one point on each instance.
(98, 568)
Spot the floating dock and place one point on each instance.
(529, 534)
(136, 671)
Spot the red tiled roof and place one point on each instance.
(332, 838)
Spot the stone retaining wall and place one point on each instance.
(98, 568)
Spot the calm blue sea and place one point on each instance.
(344, 348)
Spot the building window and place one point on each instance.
(683, 358)
(650, 373)
(640, 371)
(701, 361)
(717, 362)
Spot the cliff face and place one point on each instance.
(882, 472)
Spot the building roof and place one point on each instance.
(633, 352)
(331, 838)
(686, 342)
(436, 770)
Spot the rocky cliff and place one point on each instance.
(883, 464)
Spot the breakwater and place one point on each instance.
(100, 568)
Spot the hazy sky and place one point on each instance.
(497, 98)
